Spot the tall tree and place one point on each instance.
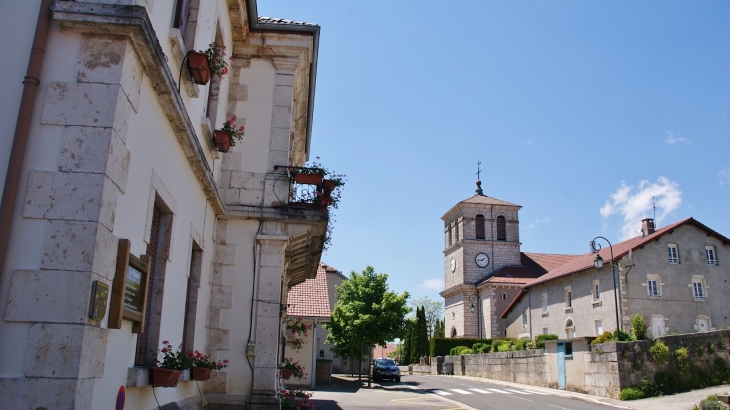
(366, 311)
(434, 310)
(407, 344)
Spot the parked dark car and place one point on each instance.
(385, 369)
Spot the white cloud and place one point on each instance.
(436, 285)
(634, 203)
(537, 222)
(724, 175)
(672, 140)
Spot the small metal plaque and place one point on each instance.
(133, 290)
(100, 294)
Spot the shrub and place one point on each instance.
(638, 326)
(659, 352)
(681, 355)
(503, 347)
(603, 338)
(649, 389)
(485, 348)
(540, 339)
(441, 346)
(711, 349)
(669, 381)
(455, 351)
(710, 404)
(720, 364)
(466, 351)
(637, 364)
(700, 352)
(518, 344)
(631, 393)
(477, 346)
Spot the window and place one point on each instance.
(569, 329)
(653, 289)
(453, 332)
(524, 319)
(698, 290)
(501, 228)
(544, 303)
(598, 326)
(568, 298)
(596, 290)
(673, 253)
(191, 297)
(504, 296)
(710, 254)
(456, 232)
(448, 235)
(479, 220)
(545, 330)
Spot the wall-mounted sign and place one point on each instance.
(129, 289)
(99, 296)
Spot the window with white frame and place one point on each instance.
(524, 319)
(699, 290)
(653, 288)
(598, 327)
(544, 303)
(710, 254)
(596, 290)
(545, 330)
(673, 253)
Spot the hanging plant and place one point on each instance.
(217, 60)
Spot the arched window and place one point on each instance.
(501, 228)
(453, 332)
(479, 220)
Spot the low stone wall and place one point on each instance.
(523, 366)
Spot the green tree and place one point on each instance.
(407, 343)
(366, 311)
(434, 310)
(423, 334)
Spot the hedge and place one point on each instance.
(441, 346)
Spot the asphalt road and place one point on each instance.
(439, 392)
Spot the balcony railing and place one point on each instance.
(308, 188)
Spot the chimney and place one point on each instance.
(647, 226)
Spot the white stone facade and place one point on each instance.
(114, 146)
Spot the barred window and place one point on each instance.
(480, 226)
(501, 228)
(673, 253)
(710, 254)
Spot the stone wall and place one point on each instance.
(523, 366)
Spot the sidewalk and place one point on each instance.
(680, 401)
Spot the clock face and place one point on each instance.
(453, 264)
(482, 260)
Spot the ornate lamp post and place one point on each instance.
(598, 263)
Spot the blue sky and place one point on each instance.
(579, 111)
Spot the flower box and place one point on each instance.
(286, 374)
(200, 374)
(222, 141)
(163, 377)
(199, 68)
(310, 179)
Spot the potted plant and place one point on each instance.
(295, 328)
(226, 137)
(206, 64)
(295, 399)
(202, 365)
(290, 368)
(168, 370)
(216, 54)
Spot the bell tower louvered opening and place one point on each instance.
(480, 226)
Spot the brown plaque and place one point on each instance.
(129, 289)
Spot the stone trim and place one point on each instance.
(133, 23)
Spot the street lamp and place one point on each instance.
(471, 308)
(598, 263)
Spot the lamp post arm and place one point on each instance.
(613, 272)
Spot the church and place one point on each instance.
(484, 269)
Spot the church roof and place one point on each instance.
(532, 266)
(479, 200)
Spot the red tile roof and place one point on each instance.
(620, 249)
(310, 298)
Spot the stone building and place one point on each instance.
(112, 169)
(484, 268)
(676, 277)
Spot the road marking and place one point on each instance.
(558, 407)
(481, 391)
(442, 393)
(517, 391)
(500, 391)
(522, 398)
(424, 401)
(538, 392)
(461, 391)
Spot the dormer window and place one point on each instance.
(479, 220)
(501, 228)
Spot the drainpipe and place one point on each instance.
(529, 310)
(22, 128)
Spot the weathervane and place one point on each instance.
(479, 183)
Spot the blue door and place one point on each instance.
(561, 366)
